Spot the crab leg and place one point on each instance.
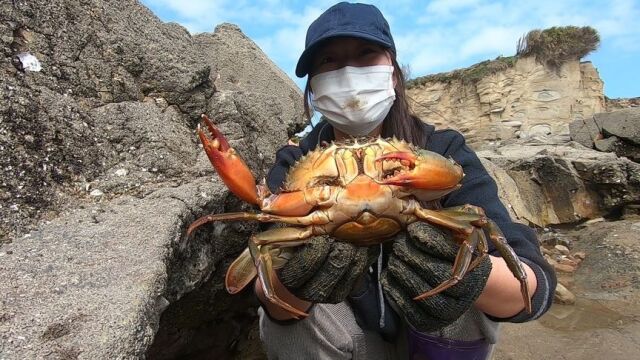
(264, 262)
(497, 238)
(230, 167)
(512, 260)
(460, 266)
(240, 272)
(461, 220)
(315, 218)
(243, 269)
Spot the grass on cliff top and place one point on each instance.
(551, 46)
(558, 44)
(468, 75)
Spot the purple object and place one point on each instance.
(428, 347)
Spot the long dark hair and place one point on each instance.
(400, 122)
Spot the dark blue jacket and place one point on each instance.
(478, 188)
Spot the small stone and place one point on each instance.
(567, 261)
(564, 268)
(564, 296)
(563, 249)
(580, 255)
(121, 172)
(593, 221)
(96, 193)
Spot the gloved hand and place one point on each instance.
(325, 270)
(421, 259)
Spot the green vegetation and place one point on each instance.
(551, 47)
(556, 45)
(469, 75)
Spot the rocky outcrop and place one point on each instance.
(621, 103)
(101, 173)
(617, 132)
(560, 184)
(522, 100)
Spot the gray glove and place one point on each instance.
(325, 270)
(420, 260)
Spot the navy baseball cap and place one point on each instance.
(345, 19)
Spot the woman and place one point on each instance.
(356, 83)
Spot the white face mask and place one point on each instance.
(355, 100)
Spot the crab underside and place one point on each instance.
(363, 192)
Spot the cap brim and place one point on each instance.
(302, 68)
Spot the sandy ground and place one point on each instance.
(604, 323)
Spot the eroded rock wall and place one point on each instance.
(522, 101)
(101, 173)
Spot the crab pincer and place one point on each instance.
(423, 170)
(231, 168)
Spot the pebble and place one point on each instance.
(563, 249)
(96, 192)
(565, 268)
(580, 255)
(563, 295)
(121, 172)
(568, 261)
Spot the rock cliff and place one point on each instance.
(510, 97)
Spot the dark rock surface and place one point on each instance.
(617, 131)
(624, 124)
(554, 184)
(101, 172)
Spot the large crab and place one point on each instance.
(358, 192)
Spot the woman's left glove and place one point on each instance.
(421, 259)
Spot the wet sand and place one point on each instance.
(604, 323)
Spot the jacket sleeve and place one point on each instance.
(285, 157)
(479, 188)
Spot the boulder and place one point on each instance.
(585, 131)
(105, 173)
(617, 131)
(624, 124)
(619, 146)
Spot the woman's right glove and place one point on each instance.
(421, 259)
(325, 271)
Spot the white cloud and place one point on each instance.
(492, 40)
(431, 37)
(476, 28)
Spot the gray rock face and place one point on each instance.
(624, 124)
(555, 184)
(94, 282)
(617, 131)
(101, 172)
(585, 131)
(98, 53)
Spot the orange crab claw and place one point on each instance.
(425, 170)
(230, 167)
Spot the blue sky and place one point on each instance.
(433, 36)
